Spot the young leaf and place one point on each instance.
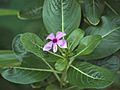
(93, 10)
(32, 70)
(110, 32)
(88, 44)
(8, 59)
(34, 44)
(89, 76)
(62, 15)
(61, 64)
(74, 38)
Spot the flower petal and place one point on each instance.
(55, 47)
(48, 46)
(59, 35)
(62, 43)
(50, 36)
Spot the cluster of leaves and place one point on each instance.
(93, 36)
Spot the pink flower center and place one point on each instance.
(54, 40)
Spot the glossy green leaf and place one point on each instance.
(60, 65)
(34, 44)
(89, 76)
(62, 15)
(88, 44)
(113, 6)
(110, 31)
(4, 12)
(8, 59)
(18, 48)
(112, 63)
(32, 70)
(74, 38)
(93, 10)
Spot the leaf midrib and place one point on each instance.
(84, 73)
(113, 10)
(110, 32)
(62, 12)
(35, 69)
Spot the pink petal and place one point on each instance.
(54, 47)
(59, 35)
(50, 36)
(62, 43)
(48, 46)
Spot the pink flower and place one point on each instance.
(55, 41)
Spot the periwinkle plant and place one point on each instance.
(65, 59)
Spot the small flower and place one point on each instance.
(54, 41)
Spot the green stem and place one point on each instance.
(56, 75)
(56, 54)
(64, 74)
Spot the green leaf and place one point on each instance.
(74, 38)
(113, 6)
(110, 32)
(80, 1)
(60, 65)
(88, 44)
(8, 59)
(62, 15)
(89, 76)
(32, 11)
(34, 44)
(18, 48)
(32, 70)
(93, 10)
(4, 12)
(112, 63)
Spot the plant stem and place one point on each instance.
(52, 69)
(64, 74)
(56, 54)
(56, 75)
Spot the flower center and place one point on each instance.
(54, 40)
